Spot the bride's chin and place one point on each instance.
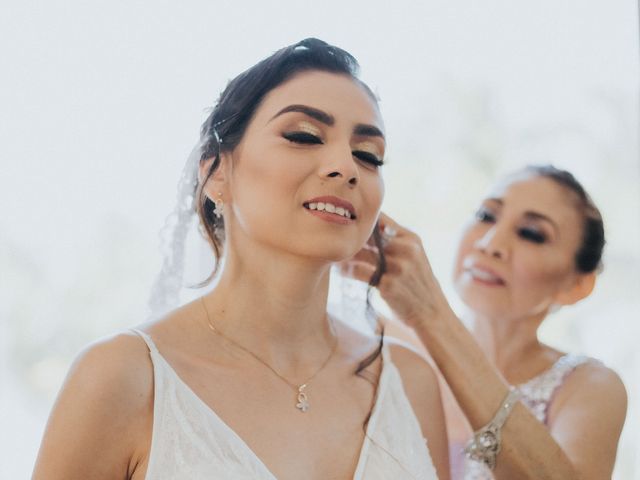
(330, 256)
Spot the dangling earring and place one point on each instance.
(219, 206)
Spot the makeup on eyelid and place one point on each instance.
(369, 147)
(308, 128)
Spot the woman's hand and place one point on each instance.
(408, 286)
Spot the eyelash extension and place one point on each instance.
(484, 215)
(304, 138)
(529, 234)
(532, 235)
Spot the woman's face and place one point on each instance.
(305, 178)
(518, 253)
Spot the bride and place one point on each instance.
(255, 379)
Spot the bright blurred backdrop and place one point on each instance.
(102, 101)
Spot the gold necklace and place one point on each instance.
(302, 399)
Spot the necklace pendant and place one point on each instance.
(303, 403)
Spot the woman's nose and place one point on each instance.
(494, 243)
(341, 165)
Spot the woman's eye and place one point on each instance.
(532, 235)
(304, 138)
(368, 157)
(484, 215)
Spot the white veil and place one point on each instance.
(165, 292)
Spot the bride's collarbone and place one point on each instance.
(264, 412)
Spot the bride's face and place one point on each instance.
(315, 142)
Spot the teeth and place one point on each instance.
(330, 208)
(482, 275)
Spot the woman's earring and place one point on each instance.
(219, 209)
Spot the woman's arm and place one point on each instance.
(102, 411)
(583, 436)
(529, 449)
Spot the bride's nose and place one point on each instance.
(341, 166)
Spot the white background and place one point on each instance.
(100, 102)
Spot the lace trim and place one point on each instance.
(537, 395)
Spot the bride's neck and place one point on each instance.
(274, 305)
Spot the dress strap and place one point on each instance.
(567, 363)
(147, 340)
(537, 393)
(558, 373)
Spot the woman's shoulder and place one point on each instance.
(584, 373)
(421, 386)
(415, 368)
(412, 364)
(591, 386)
(103, 413)
(419, 381)
(115, 371)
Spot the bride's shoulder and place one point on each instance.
(416, 371)
(114, 352)
(112, 374)
(103, 412)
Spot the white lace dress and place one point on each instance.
(536, 395)
(191, 442)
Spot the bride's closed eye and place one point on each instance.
(303, 137)
(369, 153)
(304, 133)
(307, 134)
(368, 157)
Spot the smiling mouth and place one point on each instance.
(484, 276)
(330, 208)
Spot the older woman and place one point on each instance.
(255, 380)
(535, 243)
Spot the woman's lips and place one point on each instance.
(331, 209)
(484, 275)
(331, 204)
(331, 217)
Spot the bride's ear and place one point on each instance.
(218, 178)
(582, 287)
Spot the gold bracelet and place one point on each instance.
(485, 444)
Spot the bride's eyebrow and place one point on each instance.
(328, 119)
(309, 111)
(368, 131)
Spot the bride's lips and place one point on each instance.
(332, 209)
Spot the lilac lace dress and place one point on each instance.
(536, 395)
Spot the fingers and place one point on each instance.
(386, 221)
(367, 261)
(367, 255)
(397, 250)
(357, 270)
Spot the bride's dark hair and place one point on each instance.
(225, 126)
